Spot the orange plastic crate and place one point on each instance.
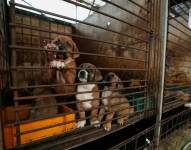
(10, 139)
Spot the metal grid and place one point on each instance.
(143, 140)
(175, 122)
(177, 79)
(142, 41)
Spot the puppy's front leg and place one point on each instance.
(101, 114)
(107, 124)
(94, 118)
(82, 122)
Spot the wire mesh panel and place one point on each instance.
(177, 89)
(175, 130)
(79, 81)
(143, 140)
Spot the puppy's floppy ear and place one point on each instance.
(56, 40)
(119, 83)
(98, 75)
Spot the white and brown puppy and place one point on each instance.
(90, 92)
(115, 104)
(62, 63)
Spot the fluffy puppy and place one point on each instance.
(114, 103)
(88, 73)
(62, 63)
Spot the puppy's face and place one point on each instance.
(115, 81)
(89, 73)
(65, 48)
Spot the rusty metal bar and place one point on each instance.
(179, 45)
(14, 62)
(73, 35)
(75, 102)
(179, 30)
(182, 24)
(122, 8)
(138, 5)
(105, 14)
(67, 122)
(60, 85)
(58, 95)
(177, 37)
(76, 20)
(41, 68)
(15, 47)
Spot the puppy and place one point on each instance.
(60, 60)
(114, 103)
(88, 73)
(62, 63)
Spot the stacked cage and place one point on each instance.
(177, 80)
(73, 81)
(45, 108)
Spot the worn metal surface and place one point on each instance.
(163, 36)
(135, 49)
(123, 37)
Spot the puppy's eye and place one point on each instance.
(61, 47)
(111, 76)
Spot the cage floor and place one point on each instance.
(177, 139)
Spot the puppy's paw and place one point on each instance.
(53, 64)
(81, 123)
(107, 126)
(60, 65)
(120, 121)
(95, 123)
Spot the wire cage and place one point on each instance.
(143, 140)
(43, 107)
(177, 79)
(176, 126)
(73, 81)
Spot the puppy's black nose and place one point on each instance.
(61, 47)
(82, 74)
(108, 78)
(62, 53)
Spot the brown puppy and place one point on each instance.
(62, 63)
(114, 102)
(88, 73)
(62, 70)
